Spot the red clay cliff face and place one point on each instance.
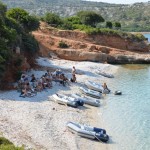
(99, 48)
(105, 40)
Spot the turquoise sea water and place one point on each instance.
(127, 117)
(147, 36)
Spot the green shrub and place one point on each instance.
(10, 147)
(66, 25)
(63, 44)
(73, 20)
(140, 36)
(82, 27)
(30, 43)
(105, 31)
(7, 145)
(4, 141)
(52, 19)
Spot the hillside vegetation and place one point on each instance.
(90, 22)
(7, 145)
(15, 27)
(132, 17)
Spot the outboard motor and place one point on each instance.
(102, 137)
(98, 130)
(80, 102)
(118, 93)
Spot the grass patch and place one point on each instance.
(105, 31)
(63, 44)
(7, 145)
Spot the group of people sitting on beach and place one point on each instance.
(30, 85)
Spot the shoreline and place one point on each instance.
(42, 125)
(140, 32)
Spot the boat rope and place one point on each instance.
(97, 138)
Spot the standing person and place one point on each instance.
(73, 70)
(105, 87)
(73, 79)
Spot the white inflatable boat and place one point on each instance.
(65, 100)
(94, 86)
(104, 74)
(91, 93)
(89, 101)
(88, 131)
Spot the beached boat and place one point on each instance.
(63, 99)
(89, 101)
(88, 131)
(91, 93)
(94, 86)
(104, 74)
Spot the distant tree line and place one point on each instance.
(132, 17)
(90, 22)
(82, 18)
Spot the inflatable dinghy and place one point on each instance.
(88, 131)
(91, 93)
(62, 99)
(104, 74)
(89, 101)
(94, 86)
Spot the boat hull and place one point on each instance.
(89, 101)
(91, 93)
(94, 86)
(61, 100)
(88, 132)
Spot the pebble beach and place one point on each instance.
(39, 123)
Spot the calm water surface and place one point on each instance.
(127, 117)
(147, 36)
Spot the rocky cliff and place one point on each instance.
(100, 48)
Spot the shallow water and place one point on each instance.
(147, 36)
(127, 117)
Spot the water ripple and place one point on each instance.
(127, 116)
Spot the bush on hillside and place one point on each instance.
(82, 27)
(63, 44)
(90, 18)
(66, 25)
(105, 31)
(12, 23)
(52, 19)
(29, 23)
(74, 20)
(30, 44)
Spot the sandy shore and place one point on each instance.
(40, 124)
